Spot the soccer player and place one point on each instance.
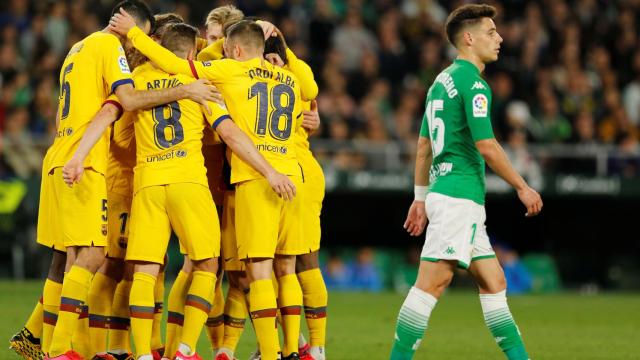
(269, 115)
(93, 68)
(456, 136)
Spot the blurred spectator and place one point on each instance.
(550, 125)
(523, 162)
(19, 150)
(353, 39)
(366, 275)
(519, 280)
(337, 275)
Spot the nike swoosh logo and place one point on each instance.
(228, 259)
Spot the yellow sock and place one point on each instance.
(156, 335)
(119, 322)
(315, 299)
(235, 315)
(215, 322)
(263, 312)
(99, 300)
(141, 308)
(175, 312)
(34, 323)
(73, 296)
(50, 306)
(197, 307)
(79, 341)
(290, 304)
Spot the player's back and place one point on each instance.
(168, 137)
(456, 116)
(93, 69)
(264, 101)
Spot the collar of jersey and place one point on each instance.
(467, 63)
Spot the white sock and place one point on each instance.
(317, 352)
(302, 341)
(224, 350)
(492, 302)
(145, 357)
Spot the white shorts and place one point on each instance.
(456, 231)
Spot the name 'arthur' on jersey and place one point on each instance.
(457, 116)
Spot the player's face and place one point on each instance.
(214, 32)
(487, 41)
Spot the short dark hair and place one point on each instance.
(138, 9)
(179, 37)
(464, 16)
(276, 45)
(247, 33)
(162, 20)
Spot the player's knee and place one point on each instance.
(494, 285)
(90, 258)
(307, 262)
(113, 268)
(284, 265)
(208, 265)
(56, 269)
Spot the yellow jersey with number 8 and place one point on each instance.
(92, 70)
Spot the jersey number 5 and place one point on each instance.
(167, 131)
(65, 92)
(278, 110)
(436, 126)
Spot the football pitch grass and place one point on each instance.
(361, 325)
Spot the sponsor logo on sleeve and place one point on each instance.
(480, 105)
(124, 65)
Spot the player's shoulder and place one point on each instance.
(103, 40)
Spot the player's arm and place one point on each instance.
(215, 51)
(308, 85)
(311, 118)
(417, 216)
(245, 149)
(125, 25)
(110, 112)
(477, 104)
(199, 91)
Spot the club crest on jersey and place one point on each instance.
(124, 65)
(480, 105)
(103, 229)
(478, 86)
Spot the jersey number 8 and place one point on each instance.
(436, 126)
(279, 110)
(167, 117)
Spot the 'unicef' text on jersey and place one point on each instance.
(457, 116)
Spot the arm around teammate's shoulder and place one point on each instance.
(244, 148)
(200, 91)
(498, 161)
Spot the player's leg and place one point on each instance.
(215, 321)
(51, 297)
(195, 220)
(157, 346)
(315, 299)
(263, 306)
(142, 306)
(235, 313)
(120, 320)
(492, 285)
(175, 307)
(100, 300)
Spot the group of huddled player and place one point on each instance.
(169, 147)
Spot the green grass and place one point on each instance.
(564, 326)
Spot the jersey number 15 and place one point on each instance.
(436, 126)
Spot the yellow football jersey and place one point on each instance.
(169, 137)
(263, 100)
(93, 69)
(122, 156)
(309, 164)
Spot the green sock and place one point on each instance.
(502, 326)
(412, 323)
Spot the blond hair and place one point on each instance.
(226, 16)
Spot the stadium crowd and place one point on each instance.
(566, 74)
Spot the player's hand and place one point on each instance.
(416, 218)
(201, 91)
(282, 185)
(311, 118)
(121, 23)
(531, 200)
(72, 171)
(268, 29)
(274, 59)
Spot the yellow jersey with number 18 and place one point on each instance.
(169, 137)
(92, 70)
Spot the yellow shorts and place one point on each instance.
(119, 213)
(313, 188)
(77, 216)
(187, 208)
(228, 230)
(265, 223)
(48, 231)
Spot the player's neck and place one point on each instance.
(472, 58)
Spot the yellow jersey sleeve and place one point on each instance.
(218, 114)
(115, 68)
(215, 51)
(308, 85)
(201, 43)
(113, 100)
(171, 63)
